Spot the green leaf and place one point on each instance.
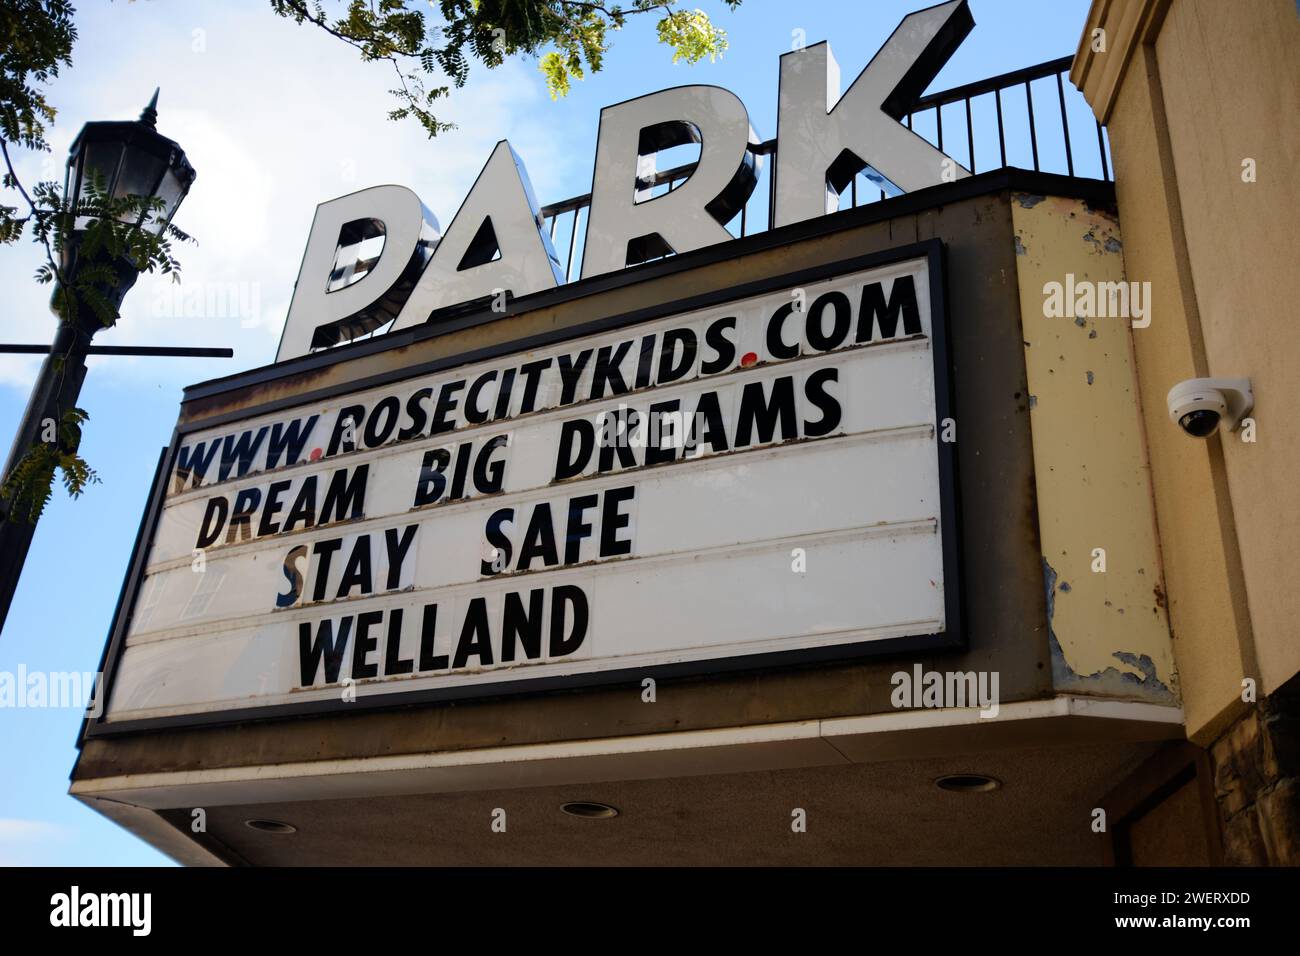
(692, 36)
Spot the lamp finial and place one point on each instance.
(150, 114)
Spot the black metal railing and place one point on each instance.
(998, 123)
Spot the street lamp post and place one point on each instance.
(128, 159)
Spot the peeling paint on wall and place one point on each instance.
(1139, 679)
(1108, 630)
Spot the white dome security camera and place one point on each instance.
(1200, 405)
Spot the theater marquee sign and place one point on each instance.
(753, 480)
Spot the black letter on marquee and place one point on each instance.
(612, 521)
(345, 495)
(357, 570)
(364, 644)
(293, 575)
(304, 506)
(474, 636)
(394, 662)
(576, 529)
(645, 361)
(539, 539)
(815, 389)
(670, 370)
(843, 309)
(753, 410)
(428, 660)
(497, 538)
(355, 412)
(567, 464)
(521, 624)
(447, 402)
(716, 339)
(708, 411)
(214, 519)
(193, 464)
(902, 300)
(241, 515)
(472, 413)
(775, 346)
(432, 481)
(616, 439)
(288, 440)
(655, 451)
(416, 413)
(532, 373)
(570, 371)
(310, 652)
(489, 474)
(272, 507)
(560, 596)
(240, 453)
(382, 421)
(397, 548)
(608, 373)
(325, 549)
(502, 407)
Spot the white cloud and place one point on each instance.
(26, 842)
(16, 830)
(276, 118)
(19, 370)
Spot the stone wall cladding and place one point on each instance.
(1257, 782)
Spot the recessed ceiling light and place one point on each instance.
(270, 826)
(590, 810)
(968, 783)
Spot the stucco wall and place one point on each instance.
(1206, 595)
(1189, 90)
(1230, 74)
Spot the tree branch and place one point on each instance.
(35, 212)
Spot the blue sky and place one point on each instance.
(277, 118)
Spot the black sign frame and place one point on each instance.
(951, 639)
